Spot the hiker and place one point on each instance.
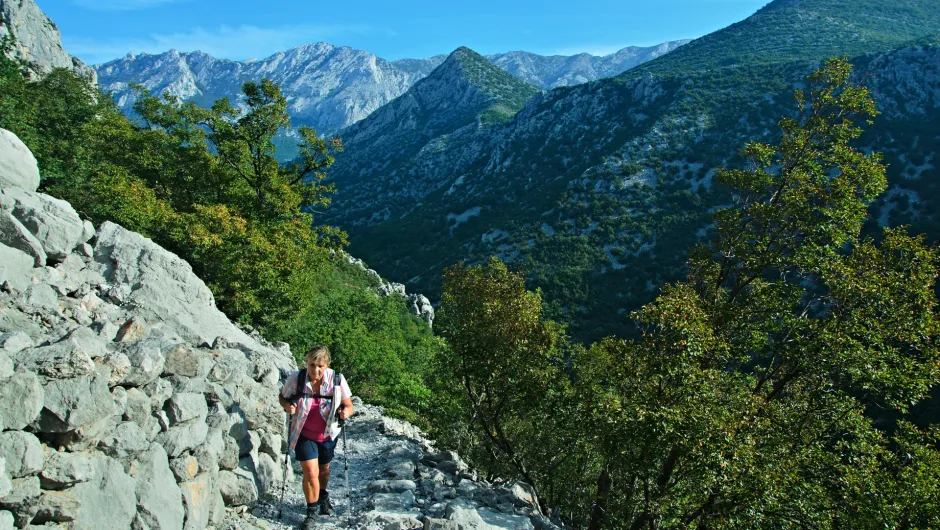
(310, 397)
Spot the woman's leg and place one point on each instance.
(324, 476)
(311, 482)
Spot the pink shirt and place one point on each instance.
(315, 426)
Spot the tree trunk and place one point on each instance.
(599, 512)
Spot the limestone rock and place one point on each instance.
(18, 166)
(159, 499)
(184, 468)
(237, 487)
(183, 437)
(197, 501)
(125, 442)
(15, 269)
(21, 400)
(72, 403)
(6, 481)
(62, 470)
(268, 473)
(13, 343)
(161, 286)
(56, 507)
(38, 41)
(53, 222)
(14, 235)
(108, 500)
(392, 486)
(186, 406)
(23, 453)
(22, 500)
(146, 360)
(70, 357)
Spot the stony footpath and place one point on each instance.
(128, 400)
(398, 480)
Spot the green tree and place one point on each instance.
(505, 359)
(747, 401)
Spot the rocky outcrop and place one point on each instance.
(126, 397)
(38, 41)
(418, 304)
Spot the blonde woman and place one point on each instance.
(316, 405)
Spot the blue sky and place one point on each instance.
(100, 30)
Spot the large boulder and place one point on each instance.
(22, 452)
(53, 222)
(108, 500)
(161, 287)
(15, 235)
(16, 267)
(75, 402)
(62, 469)
(21, 400)
(198, 501)
(18, 167)
(159, 499)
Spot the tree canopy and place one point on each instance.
(761, 391)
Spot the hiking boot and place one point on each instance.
(326, 507)
(310, 523)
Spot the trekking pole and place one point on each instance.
(280, 509)
(342, 424)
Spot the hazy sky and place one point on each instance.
(100, 30)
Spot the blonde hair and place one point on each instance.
(318, 353)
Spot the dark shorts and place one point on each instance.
(307, 449)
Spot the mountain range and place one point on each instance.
(598, 190)
(330, 87)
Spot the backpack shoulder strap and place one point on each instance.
(337, 382)
(301, 386)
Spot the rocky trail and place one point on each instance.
(397, 480)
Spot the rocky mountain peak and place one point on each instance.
(37, 38)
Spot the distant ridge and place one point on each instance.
(465, 93)
(331, 87)
(793, 30)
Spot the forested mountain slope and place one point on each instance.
(598, 190)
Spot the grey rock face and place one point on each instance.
(53, 222)
(75, 402)
(21, 400)
(198, 500)
(38, 40)
(159, 499)
(558, 70)
(183, 437)
(15, 235)
(125, 442)
(22, 452)
(162, 286)
(18, 167)
(237, 487)
(62, 469)
(108, 500)
(15, 268)
(22, 500)
(327, 87)
(184, 407)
